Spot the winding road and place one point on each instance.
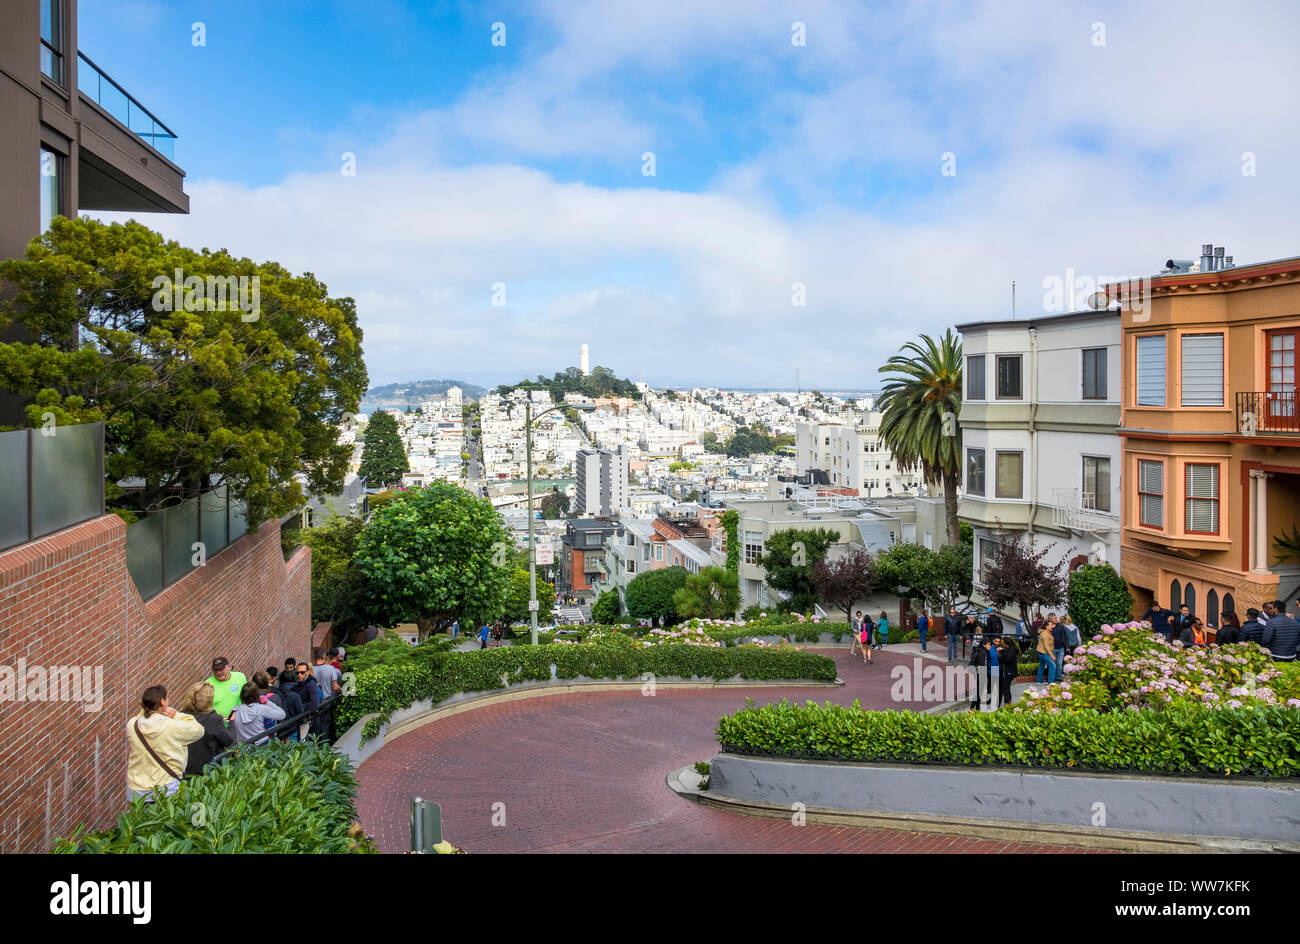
(586, 773)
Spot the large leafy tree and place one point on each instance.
(606, 608)
(843, 582)
(435, 555)
(650, 594)
(191, 385)
(788, 558)
(383, 458)
(713, 593)
(1097, 595)
(516, 605)
(920, 403)
(1018, 575)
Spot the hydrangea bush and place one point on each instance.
(1126, 666)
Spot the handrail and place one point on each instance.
(152, 136)
(287, 726)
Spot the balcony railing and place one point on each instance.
(1267, 412)
(1078, 511)
(165, 546)
(96, 85)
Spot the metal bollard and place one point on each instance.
(426, 825)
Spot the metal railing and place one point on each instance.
(1078, 511)
(118, 103)
(1267, 412)
(50, 479)
(283, 730)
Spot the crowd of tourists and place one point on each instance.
(166, 745)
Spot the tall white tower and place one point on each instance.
(583, 362)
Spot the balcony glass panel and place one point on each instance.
(109, 96)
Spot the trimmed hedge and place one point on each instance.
(387, 688)
(795, 632)
(1188, 740)
(284, 797)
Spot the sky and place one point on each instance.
(830, 179)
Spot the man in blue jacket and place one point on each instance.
(1160, 617)
(952, 629)
(1282, 634)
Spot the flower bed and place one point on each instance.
(1128, 667)
(1186, 739)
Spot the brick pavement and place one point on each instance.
(586, 773)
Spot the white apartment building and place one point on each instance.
(853, 456)
(455, 396)
(602, 487)
(1040, 410)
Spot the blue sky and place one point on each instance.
(820, 164)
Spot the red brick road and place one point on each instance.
(586, 773)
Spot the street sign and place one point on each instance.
(533, 605)
(545, 554)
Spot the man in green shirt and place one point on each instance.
(226, 686)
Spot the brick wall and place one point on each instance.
(67, 600)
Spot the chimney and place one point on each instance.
(1218, 258)
(1227, 263)
(1207, 256)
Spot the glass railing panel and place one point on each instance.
(13, 488)
(180, 532)
(213, 520)
(144, 554)
(66, 466)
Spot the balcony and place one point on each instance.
(1075, 510)
(97, 86)
(1271, 413)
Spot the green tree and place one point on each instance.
(731, 528)
(1097, 595)
(516, 608)
(650, 594)
(606, 608)
(713, 593)
(920, 403)
(383, 459)
(788, 558)
(194, 383)
(555, 504)
(952, 575)
(435, 555)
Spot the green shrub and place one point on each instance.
(386, 688)
(1187, 740)
(606, 607)
(1097, 595)
(283, 797)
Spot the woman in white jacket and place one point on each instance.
(246, 721)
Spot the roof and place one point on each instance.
(1050, 321)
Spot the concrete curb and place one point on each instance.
(420, 713)
(680, 782)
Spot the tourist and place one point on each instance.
(1073, 639)
(882, 629)
(157, 745)
(979, 659)
(865, 629)
(1282, 634)
(455, 629)
(1159, 617)
(309, 691)
(1060, 639)
(1008, 663)
(283, 691)
(1253, 629)
(952, 631)
(254, 709)
(992, 623)
(923, 627)
(993, 669)
(1229, 629)
(1182, 621)
(226, 686)
(1046, 650)
(327, 677)
(336, 660)
(216, 736)
(855, 642)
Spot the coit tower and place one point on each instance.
(583, 362)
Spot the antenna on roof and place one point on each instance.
(1013, 298)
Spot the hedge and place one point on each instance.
(284, 797)
(386, 688)
(1187, 740)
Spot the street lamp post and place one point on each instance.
(586, 406)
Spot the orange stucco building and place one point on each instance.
(1211, 437)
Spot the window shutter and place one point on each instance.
(1151, 488)
(1151, 371)
(1202, 498)
(1202, 377)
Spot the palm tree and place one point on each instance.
(920, 403)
